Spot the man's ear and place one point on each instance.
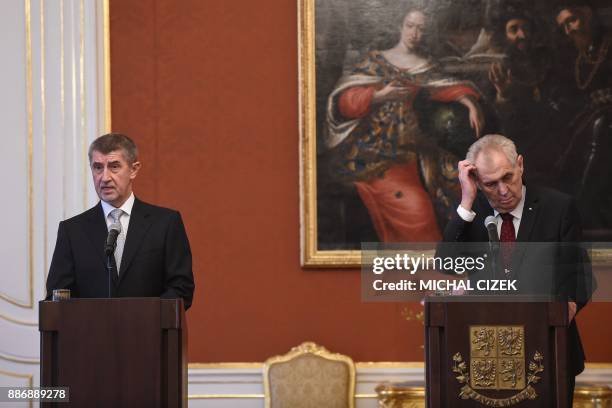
(519, 162)
(134, 171)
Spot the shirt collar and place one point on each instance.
(126, 207)
(518, 210)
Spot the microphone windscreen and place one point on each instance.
(490, 220)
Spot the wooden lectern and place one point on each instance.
(486, 352)
(120, 352)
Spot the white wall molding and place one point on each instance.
(232, 386)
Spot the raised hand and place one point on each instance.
(467, 179)
(500, 78)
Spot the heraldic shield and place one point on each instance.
(494, 353)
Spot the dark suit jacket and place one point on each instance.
(156, 260)
(548, 217)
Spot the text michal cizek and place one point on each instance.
(504, 285)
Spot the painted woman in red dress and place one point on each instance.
(373, 128)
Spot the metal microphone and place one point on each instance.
(491, 225)
(111, 239)
(109, 248)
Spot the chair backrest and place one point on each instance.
(309, 376)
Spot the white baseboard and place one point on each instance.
(241, 386)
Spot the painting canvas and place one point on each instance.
(394, 92)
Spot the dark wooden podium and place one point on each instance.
(121, 352)
(486, 352)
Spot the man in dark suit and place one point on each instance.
(491, 179)
(152, 256)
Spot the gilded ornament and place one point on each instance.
(497, 362)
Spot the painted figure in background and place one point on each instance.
(527, 97)
(404, 178)
(587, 162)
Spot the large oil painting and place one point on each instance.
(393, 93)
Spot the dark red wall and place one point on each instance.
(209, 91)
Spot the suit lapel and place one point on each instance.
(528, 218)
(97, 232)
(140, 221)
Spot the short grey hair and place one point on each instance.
(492, 142)
(115, 142)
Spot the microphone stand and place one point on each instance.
(109, 250)
(494, 251)
(494, 245)
(109, 268)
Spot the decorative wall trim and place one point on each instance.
(224, 384)
(27, 38)
(19, 359)
(106, 57)
(18, 321)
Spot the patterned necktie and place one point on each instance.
(116, 217)
(508, 239)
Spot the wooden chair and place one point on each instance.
(309, 376)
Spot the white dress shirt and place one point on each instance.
(517, 213)
(125, 217)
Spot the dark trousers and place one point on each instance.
(570, 388)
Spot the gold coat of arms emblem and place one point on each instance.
(497, 357)
(497, 362)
